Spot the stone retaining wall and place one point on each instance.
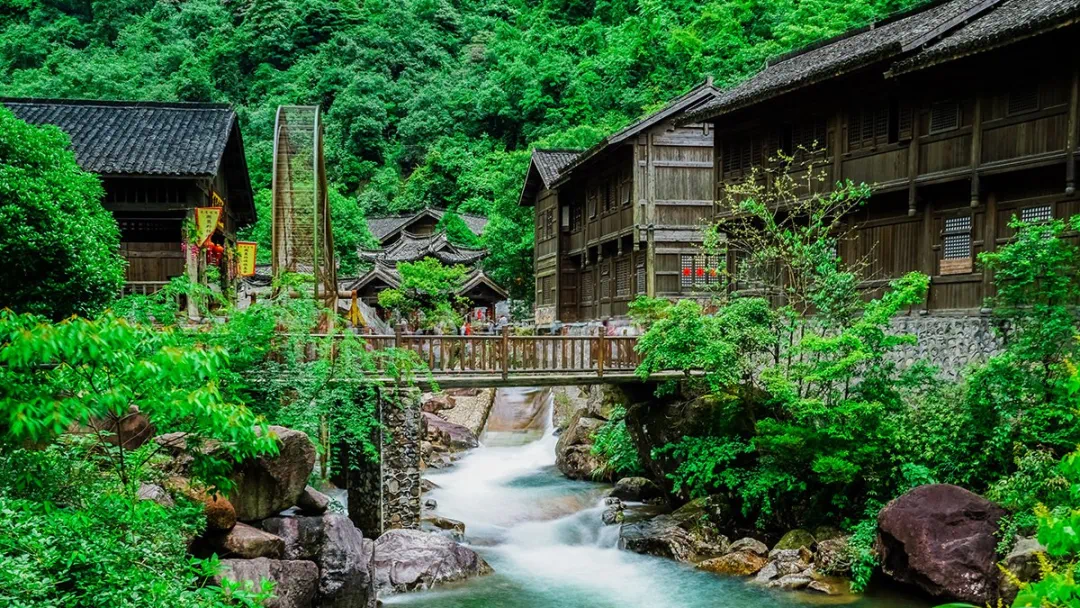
(386, 494)
(949, 342)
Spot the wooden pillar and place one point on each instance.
(650, 220)
(191, 265)
(601, 345)
(976, 148)
(505, 351)
(1070, 135)
(989, 239)
(913, 163)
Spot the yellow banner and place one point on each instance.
(245, 258)
(216, 200)
(206, 221)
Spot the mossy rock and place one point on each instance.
(795, 539)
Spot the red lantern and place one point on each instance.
(685, 272)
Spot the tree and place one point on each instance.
(429, 288)
(59, 246)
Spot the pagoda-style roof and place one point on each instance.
(477, 285)
(411, 247)
(386, 227)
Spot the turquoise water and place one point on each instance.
(543, 535)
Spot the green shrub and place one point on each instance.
(615, 448)
(59, 245)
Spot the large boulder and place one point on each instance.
(337, 547)
(1022, 564)
(686, 535)
(941, 538)
(313, 502)
(453, 437)
(132, 430)
(269, 484)
(833, 556)
(603, 399)
(736, 563)
(795, 539)
(408, 560)
(637, 489)
(568, 400)
(219, 511)
(249, 543)
(345, 565)
(573, 452)
(295, 581)
(156, 493)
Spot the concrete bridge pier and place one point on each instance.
(386, 494)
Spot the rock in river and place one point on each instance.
(637, 489)
(408, 560)
(685, 535)
(269, 484)
(295, 581)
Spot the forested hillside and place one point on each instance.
(429, 102)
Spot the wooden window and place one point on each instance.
(1023, 99)
(575, 217)
(549, 224)
(1041, 213)
(641, 277)
(591, 201)
(867, 127)
(731, 157)
(905, 119)
(587, 287)
(622, 277)
(743, 153)
(944, 117)
(605, 280)
(956, 255)
(698, 270)
(609, 196)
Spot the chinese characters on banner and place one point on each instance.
(216, 200)
(206, 220)
(245, 258)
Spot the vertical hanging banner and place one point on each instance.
(206, 220)
(216, 199)
(245, 258)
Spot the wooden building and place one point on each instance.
(157, 163)
(960, 114)
(413, 237)
(620, 218)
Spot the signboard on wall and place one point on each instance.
(206, 221)
(245, 258)
(545, 315)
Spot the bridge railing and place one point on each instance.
(505, 354)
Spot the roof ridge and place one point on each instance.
(120, 103)
(873, 24)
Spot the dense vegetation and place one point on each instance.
(57, 242)
(812, 421)
(429, 102)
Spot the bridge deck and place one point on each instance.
(506, 360)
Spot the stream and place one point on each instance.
(543, 535)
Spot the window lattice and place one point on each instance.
(641, 279)
(944, 117)
(699, 270)
(957, 241)
(1041, 213)
(622, 278)
(587, 287)
(1023, 100)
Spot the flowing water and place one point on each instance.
(543, 535)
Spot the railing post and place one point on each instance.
(505, 351)
(600, 344)
(397, 335)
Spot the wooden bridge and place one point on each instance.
(509, 360)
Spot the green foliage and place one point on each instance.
(95, 372)
(615, 448)
(428, 290)
(1059, 532)
(70, 537)
(59, 245)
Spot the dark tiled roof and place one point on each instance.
(410, 248)
(137, 138)
(852, 51)
(389, 274)
(1008, 21)
(696, 97)
(382, 226)
(550, 163)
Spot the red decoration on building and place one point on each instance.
(700, 272)
(685, 272)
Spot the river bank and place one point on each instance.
(544, 536)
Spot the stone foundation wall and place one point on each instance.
(949, 342)
(386, 494)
